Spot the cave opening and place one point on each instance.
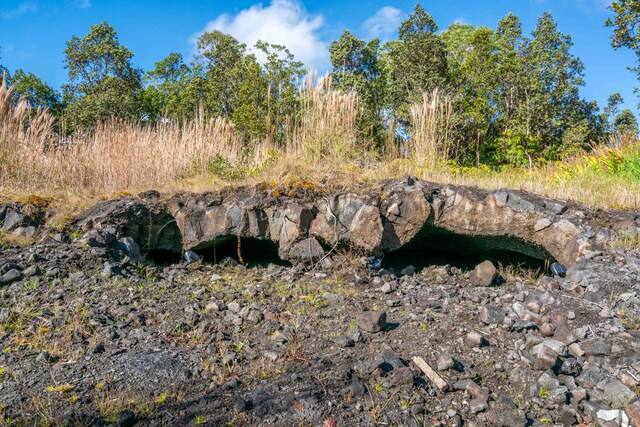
(436, 246)
(163, 257)
(254, 252)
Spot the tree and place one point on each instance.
(39, 95)
(471, 54)
(281, 73)
(553, 78)
(626, 123)
(220, 56)
(102, 81)
(356, 67)
(625, 23)
(416, 63)
(170, 92)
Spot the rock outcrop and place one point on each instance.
(375, 220)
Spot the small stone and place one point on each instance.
(568, 416)
(546, 329)
(617, 394)
(478, 405)
(212, 307)
(10, 277)
(578, 395)
(633, 412)
(215, 277)
(617, 416)
(492, 315)
(372, 321)
(239, 404)
(32, 271)
(97, 348)
(629, 380)
(597, 348)
(45, 357)
(474, 339)
(357, 389)
(234, 307)
(445, 362)
(408, 271)
(576, 350)
(558, 347)
(271, 355)
(541, 224)
(484, 274)
(343, 341)
(545, 359)
(386, 288)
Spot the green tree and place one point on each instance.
(471, 54)
(357, 67)
(171, 89)
(553, 76)
(221, 57)
(102, 81)
(39, 95)
(416, 63)
(626, 123)
(625, 23)
(281, 73)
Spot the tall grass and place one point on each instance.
(430, 140)
(327, 128)
(322, 142)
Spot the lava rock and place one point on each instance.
(492, 315)
(372, 321)
(484, 274)
(10, 277)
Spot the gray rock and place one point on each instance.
(372, 321)
(492, 315)
(10, 277)
(15, 219)
(596, 347)
(130, 247)
(617, 394)
(445, 362)
(408, 271)
(357, 389)
(484, 274)
(557, 347)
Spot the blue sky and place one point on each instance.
(33, 32)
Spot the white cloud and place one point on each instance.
(384, 23)
(22, 8)
(84, 4)
(284, 22)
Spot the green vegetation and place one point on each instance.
(486, 106)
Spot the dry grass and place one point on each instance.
(430, 142)
(322, 145)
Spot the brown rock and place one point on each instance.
(484, 274)
(633, 412)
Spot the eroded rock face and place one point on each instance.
(374, 219)
(144, 218)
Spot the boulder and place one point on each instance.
(484, 274)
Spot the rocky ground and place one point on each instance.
(92, 333)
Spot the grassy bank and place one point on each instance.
(323, 146)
